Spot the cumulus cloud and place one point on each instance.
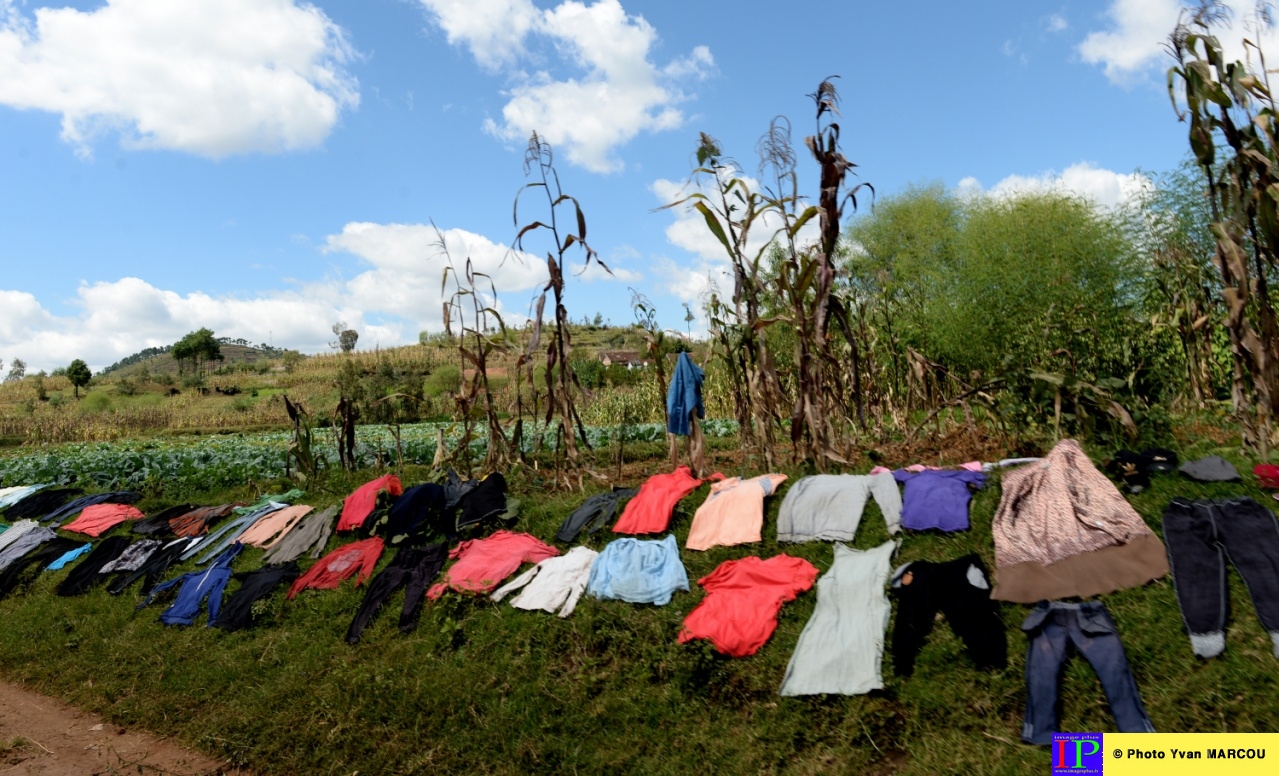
(408, 266)
(618, 92)
(1134, 43)
(121, 317)
(396, 295)
(209, 77)
(1103, 187)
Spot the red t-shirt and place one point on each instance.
(742, 600)
(483, 563)
(359, 505)
(329, 571)
(98, 519)
(650, 510)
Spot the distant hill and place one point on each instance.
(158, 360)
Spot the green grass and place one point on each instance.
(486, 688)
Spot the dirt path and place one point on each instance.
(40, 735)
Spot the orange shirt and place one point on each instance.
(733, 513)
(272, 528)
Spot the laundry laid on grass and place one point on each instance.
(1062, 531)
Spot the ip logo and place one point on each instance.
(1077, 753)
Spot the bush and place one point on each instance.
(590, 373)
(290, 360)
(126, 387)
(446, 379)
(95, 402)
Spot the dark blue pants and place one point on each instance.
(1055, 630)
(1201, 536)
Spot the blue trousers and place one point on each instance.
(1056, 629)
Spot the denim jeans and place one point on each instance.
(1056, 629)
(1201, 536)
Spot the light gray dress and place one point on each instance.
(829, 506)
(841, 649)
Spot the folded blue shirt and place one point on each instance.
(642, 571)
(67, 557)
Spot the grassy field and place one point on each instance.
(486, 688)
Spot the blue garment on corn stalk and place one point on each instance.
(196, 586)
(684, 396)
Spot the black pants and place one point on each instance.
(38, 559)
(84, 577)
(959, 589)
(414, 568)
(1201, 536)
(237, 611)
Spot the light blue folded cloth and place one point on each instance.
(640, 571)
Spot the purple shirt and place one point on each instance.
(937, 498)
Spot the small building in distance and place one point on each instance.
(626, 358)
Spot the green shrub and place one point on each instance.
(446, 379)
(95, 402)
(290, 360)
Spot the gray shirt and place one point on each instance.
(829, 506)
(311, 534)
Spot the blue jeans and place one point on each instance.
(1056, 629)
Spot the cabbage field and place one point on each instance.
(223, 461)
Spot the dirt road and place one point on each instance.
(40, 735)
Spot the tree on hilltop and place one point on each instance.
(198, 347)
(79, 375)
(346, 337)
(17, 370)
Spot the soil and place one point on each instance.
(40, 735)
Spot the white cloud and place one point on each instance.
(493, 30)
(121, 317)
(388, 303)
(408, 265)
(1057, 23)
(618, 93)
(209, 77)
(1134, 44)
(1103, 187)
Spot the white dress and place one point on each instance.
(841, 648)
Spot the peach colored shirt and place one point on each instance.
(733, 513)
(274, 526)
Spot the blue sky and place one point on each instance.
(266, 167)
